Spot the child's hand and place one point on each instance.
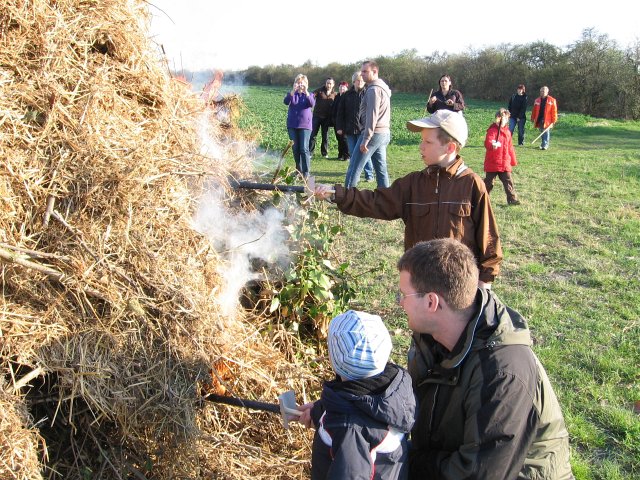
(305, 417)
(323, 192)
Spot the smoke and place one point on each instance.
(234, 82)
(240, 238)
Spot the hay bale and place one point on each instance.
(18, 443)
(109, 320)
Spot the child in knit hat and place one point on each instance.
(363, 416)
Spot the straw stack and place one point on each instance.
(109, 326)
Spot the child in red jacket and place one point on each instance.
(500, 156)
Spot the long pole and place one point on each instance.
(428, 99)
(241, 402)
(309, 188)
(268, 186)
(284, 152)
(543, 132)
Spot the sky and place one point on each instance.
(233, 35)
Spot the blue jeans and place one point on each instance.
(352, 140)
(512, 127)
(377, 153)
(545, 138)
(301, 155)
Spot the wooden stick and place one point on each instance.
(543, 132)
(35, 253)
(36, 372)
(51, 201)
(428, 98)
(284, 152)
(12, 258)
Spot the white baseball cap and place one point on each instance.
(451, 122)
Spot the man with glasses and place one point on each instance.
(486, 407)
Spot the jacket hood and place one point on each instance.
(394, 406)
(493, 325)
(380, 84)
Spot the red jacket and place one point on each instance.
(550, 112)
(502, 158)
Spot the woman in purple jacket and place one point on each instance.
(301, 105)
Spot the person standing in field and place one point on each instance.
(545, 115)
(364, 414)
(444, 200)
(486, 408)
(446, 98)
(375, 118)
(343, 148)
(518, 112)
(500, 156)
(299, 122)
(348, 119)
(322, 116)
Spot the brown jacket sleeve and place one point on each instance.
(460, 210)
(487, 237)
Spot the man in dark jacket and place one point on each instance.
(341, 137)
(322, 120)
(486, 407)
(348, 119)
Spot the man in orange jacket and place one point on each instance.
(545, 115)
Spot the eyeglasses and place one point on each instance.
(401, 296)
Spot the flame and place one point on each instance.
(211, 88)
(219, 373)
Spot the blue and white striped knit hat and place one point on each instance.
(359, 345)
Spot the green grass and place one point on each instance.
(572, 260)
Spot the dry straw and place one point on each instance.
(109, 325)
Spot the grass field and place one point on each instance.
(572, 260)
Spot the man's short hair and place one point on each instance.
(444, 266)
(373, 64)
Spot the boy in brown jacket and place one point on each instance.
(444, 200)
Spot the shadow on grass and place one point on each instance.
(602, 137)
(632, 170)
